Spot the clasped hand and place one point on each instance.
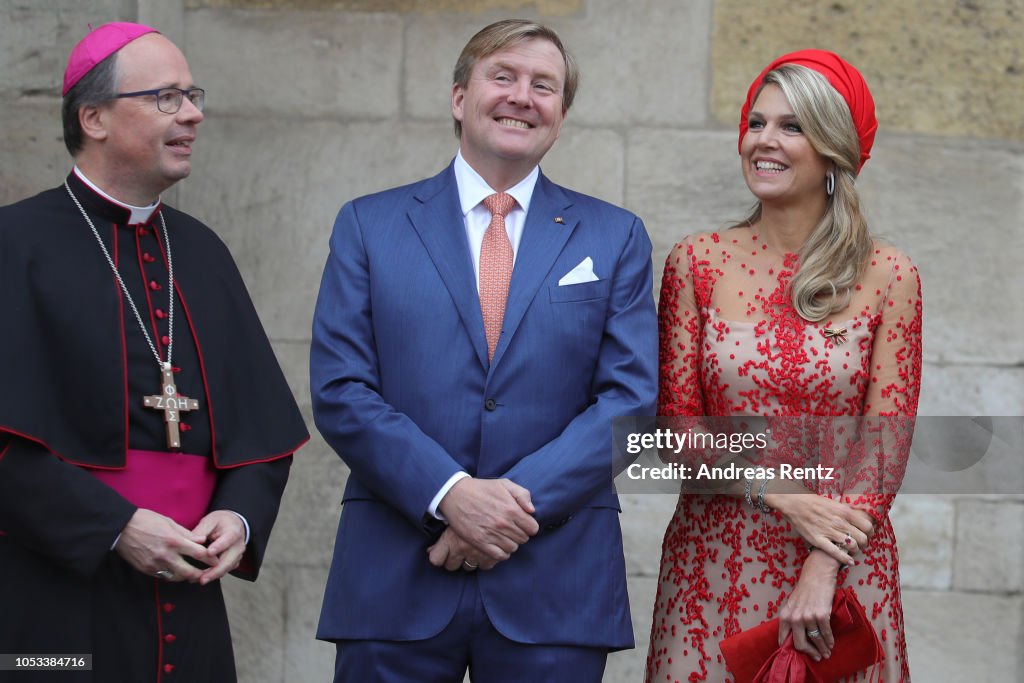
(488, 519)
(152, 543)
(836, 528)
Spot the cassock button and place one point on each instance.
(160, 313)
(148, 258)
(183, 427)
(168, 668)
(175, 368)
(490, 404)
(168, 607)
(154, 285)
(165, 340)
(141, 230)
(170, 638)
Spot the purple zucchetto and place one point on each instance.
(99, 44)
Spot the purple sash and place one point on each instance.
(177, 485)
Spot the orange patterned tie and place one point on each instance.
(495, 268)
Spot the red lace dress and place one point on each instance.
(732, 344)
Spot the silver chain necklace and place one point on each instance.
(170, 284)
(168, 400)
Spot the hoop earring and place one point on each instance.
(830, 183)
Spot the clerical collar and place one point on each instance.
(139, 214)
(473, 188)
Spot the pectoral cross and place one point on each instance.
(172, 404)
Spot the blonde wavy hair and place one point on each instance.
(837, 250)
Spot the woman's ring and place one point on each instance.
(816, 633)
(164, 574)
(469, 565)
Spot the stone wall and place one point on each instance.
(312, 103)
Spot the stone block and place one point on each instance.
(36, 39)
(302, 64)
(989, 546)
(589, 160)
(32, 147)
(963, 637)
(627, 666)
(946, 67)
(432, 43)
(924, 528)
(681, 182)
(952, 206)
(294, 359)
(971, 390)
(257, 615)
(306, 659)
(641, 63)
(272, 188)
(308, 519)
(166, 15)
(30, 51)
(309, 510)
(644, 519)
(967, 457)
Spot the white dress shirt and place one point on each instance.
(472, 191)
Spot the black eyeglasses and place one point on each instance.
(168, 100)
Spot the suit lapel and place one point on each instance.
(438, 221)
(542, 242)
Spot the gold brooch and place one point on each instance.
(559, 220)
(836, 334)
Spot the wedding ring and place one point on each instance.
(164, 574)
(816, 633)
(469, 565)
(848, 540)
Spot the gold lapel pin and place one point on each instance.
(559, 220)
(836, 334)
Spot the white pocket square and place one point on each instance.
(584, 272)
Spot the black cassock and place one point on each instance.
(75, 368)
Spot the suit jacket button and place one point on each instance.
(490, 404)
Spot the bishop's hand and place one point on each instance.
(224, 531)
(153, 543)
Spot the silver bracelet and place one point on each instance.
(761, 505)
(747, 485)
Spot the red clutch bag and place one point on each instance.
(754, 655)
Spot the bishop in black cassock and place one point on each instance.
(81, 453)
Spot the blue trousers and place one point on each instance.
(468, 642)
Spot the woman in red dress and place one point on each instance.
(795, 312)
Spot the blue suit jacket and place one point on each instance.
(403, 391)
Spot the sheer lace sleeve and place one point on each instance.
(685, 292)
(890, 403)
(679, 333)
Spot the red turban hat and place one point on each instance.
(843, 77)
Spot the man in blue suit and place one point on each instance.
(474, 337)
